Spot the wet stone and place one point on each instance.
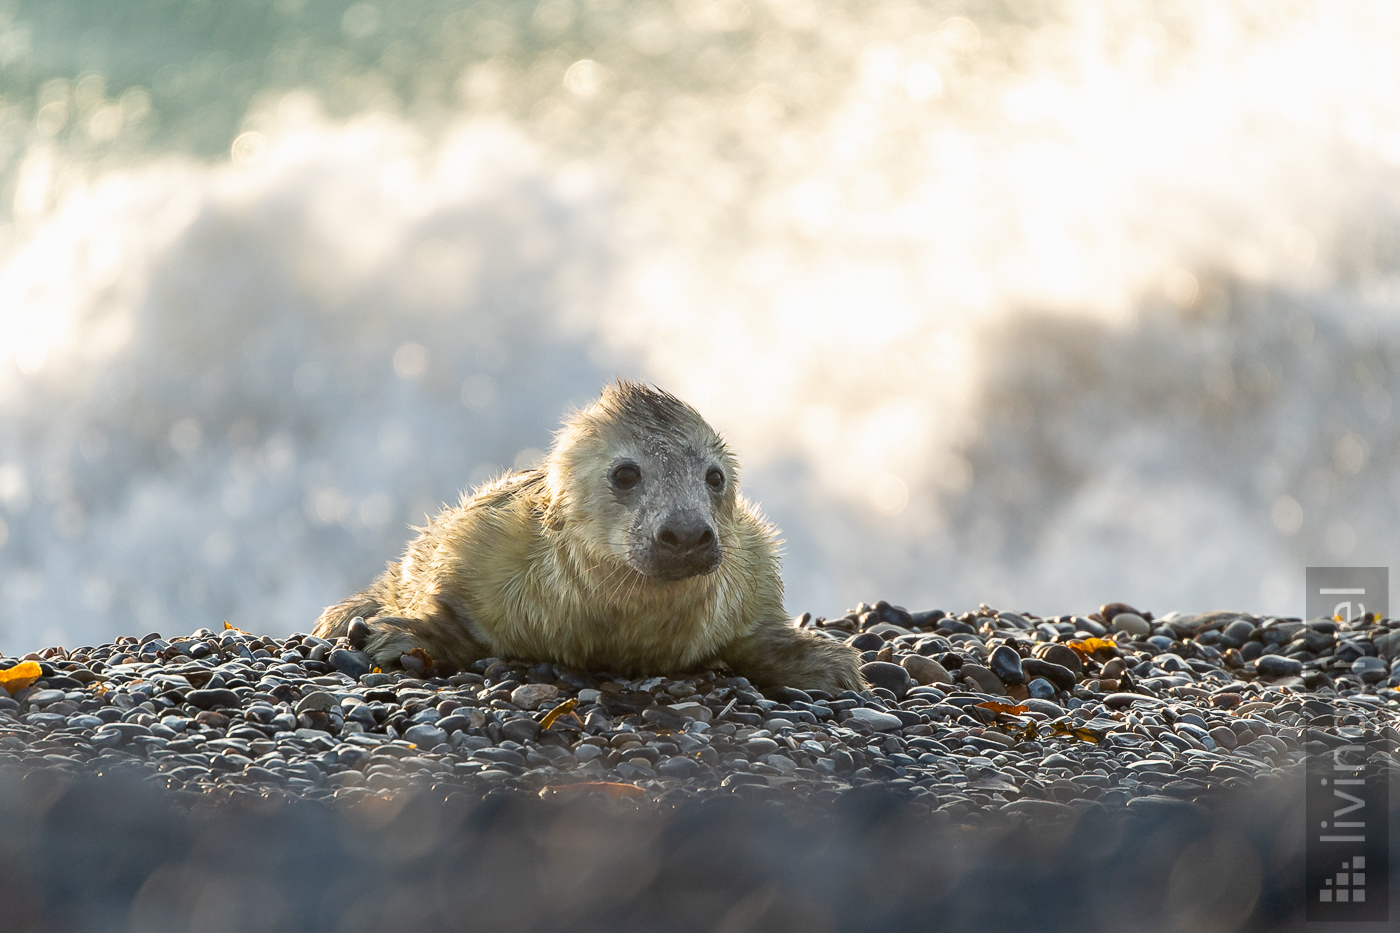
(1062, 677)
(357, 634)
(425, 735)
(892, 677)
(1064, 656)
(1369, 669)
(926, 671)
(1237, 633)
(211, 699)
(353, 664)
(1273, 665)
(1006, 664)
(983, 679)
(1041, 689)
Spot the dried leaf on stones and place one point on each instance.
(1007, 708)
(1077, 732)
(553, 715)
(1086, 648)
(20, 676)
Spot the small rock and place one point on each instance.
(520, 730)
(880, 722)
(1237, 633)
(984, 681)
(45, 697)
(1041, 689)
(1274, 665)
(533, 696)
(677, 767)
(1369, 669)
(357, 634)
(866, 641)
(693, 710)
(210, 699)
(1109, 611)
(413, 664)
(1006, 664)
(1045, 707)
(425, 736)
(354, 664)
(759, 747)
(892, 677)
(926, 671)
(1059, 675)
(316, 700)
(1225, 737)
(1132, 623)
(1064, 656)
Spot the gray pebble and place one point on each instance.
(1006, 664)
(880, 722)
(425, 736)
(1132, 623)
(892, 677)
(1273, 665)
(354, 664)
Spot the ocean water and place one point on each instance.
(1041, 305)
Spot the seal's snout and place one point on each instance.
(686, 545)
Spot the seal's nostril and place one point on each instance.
(668, 538)
(705, 538)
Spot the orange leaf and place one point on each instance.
(612, 789)
(1089, 645)
(1084, 735)
(20, 676)
(999, 707)
(549, 718)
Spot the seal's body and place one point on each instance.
(628, 550)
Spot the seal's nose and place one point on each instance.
(685, 532)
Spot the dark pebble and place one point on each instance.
(357, 634)
(350, 663)
(1006, 664)
(986, 681)
(211, 699)
(1062, 677)
(1274, 665)
(1369, 669)
(742, 777)
(892, 677)
(1237, 633)
(1041, 689)
(678, 767)
(520, 730)
(866, 641)
(1064, 656)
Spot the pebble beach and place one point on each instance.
(978, 726)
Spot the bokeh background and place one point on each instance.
(1037, 304)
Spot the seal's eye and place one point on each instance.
(625, 475)
(715, 479)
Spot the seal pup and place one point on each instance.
(629, 550)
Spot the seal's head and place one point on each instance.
(641, 478)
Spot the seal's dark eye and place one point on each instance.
(625, 475)
(715, 479)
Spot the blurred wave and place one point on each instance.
(1038, 307)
